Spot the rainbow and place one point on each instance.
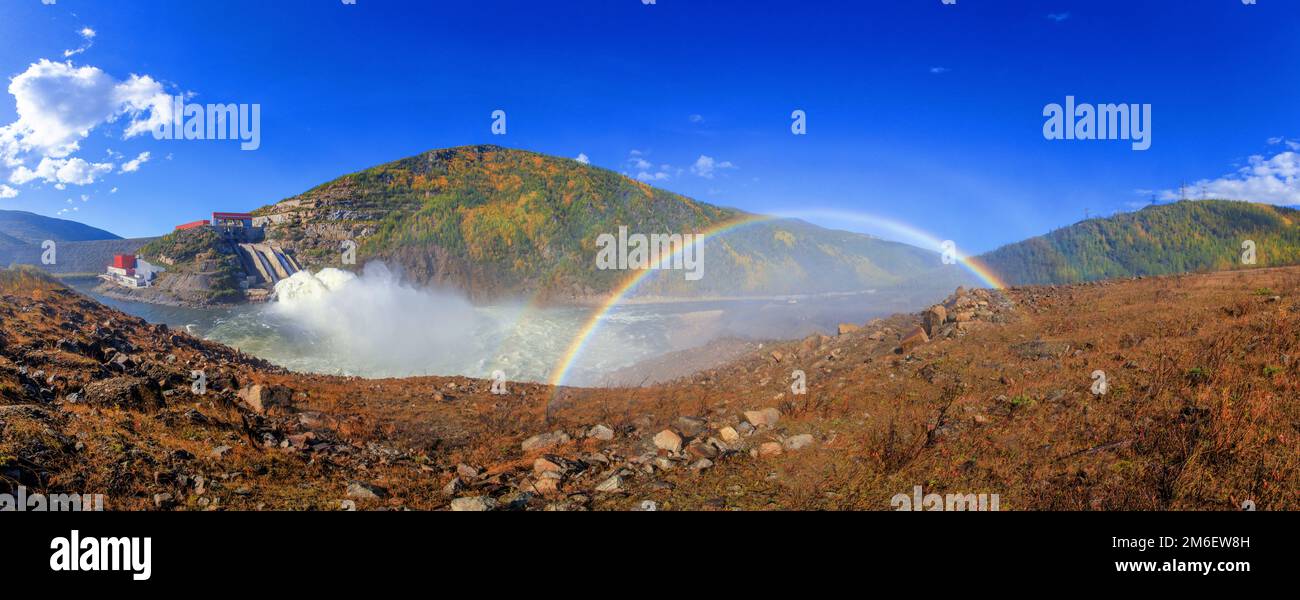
(921, 238)
(908, 233)
(588, 328)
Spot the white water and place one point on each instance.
(375, 325)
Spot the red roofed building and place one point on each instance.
(225, 219)
(194, 225)
(124, 261)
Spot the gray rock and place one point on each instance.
(543, 441)
(798, 442)
(613, 484)
(365, 491)
(667, 440)
(691, 426)
(473, 504)
(601, 432)
(765, 417)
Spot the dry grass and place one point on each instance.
(1203, 412)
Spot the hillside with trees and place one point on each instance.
(1187, 236)
(499, 222)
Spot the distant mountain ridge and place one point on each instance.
(1187, 236)
(31, 228)
(500, 222)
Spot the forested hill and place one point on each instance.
(500, 222)
(1192, 235)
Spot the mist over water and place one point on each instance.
(374, 324)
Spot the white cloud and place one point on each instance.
(87, 34)
(1273, 180)
(1058, 17)
(58, 104)
(113, 191)
(656, 176)
(133, 165)
(646, 170)
(938, 70)
(705, 166)
(62, 172)
(582, 158)
(697, 119)
(8, 192)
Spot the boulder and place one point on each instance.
(934, 318)
(613, 484)
(691, 426)
(848, 328)
(798, 442)
(765, 417)
(913, 339)
(473, 504)
(543, 441)
(667, 440)
(125, 392)
(545, 464)
(729, 435)
(365, 491)
(601, 432)
(263, 398)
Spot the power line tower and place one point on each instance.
(1182, 190)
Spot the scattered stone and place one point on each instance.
(453, 487)
(467, 471)
(125, 392)
(473, 504)
(777, 356)
(765, 417)
(545, 464)
(691, 426)
(601, 432)
(700, 449)
(848, 328)
(547, 486)
(798, 442)
(729, 435)
(913, 339)
(543, 441)
(769, 449)
(701, 464)
(613, 484)
(163, 500)
(876, 336)
(262, 398)
(365, 491)
(745, 428)
(667, 440)
(935, 318)
(219, 452)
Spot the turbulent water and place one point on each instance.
(374, 325)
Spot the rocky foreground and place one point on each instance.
(986, 393)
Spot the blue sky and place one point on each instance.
(920, 113)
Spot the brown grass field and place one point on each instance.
(1202, 413)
